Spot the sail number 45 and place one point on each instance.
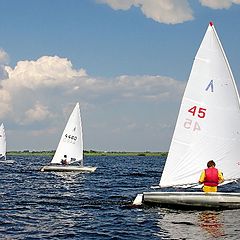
(196, 112)
(201, 112)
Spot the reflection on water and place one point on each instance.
(177, 224)
(212, 222)
(70, 177)
(70, 181)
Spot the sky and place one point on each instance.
(125, 61)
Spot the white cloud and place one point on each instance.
(167, 11)
(152, 88)
(38, 113)
(219, 4)
(3, 57)
(30, 82)
(164, 11)
(43, 132)
(3, 60)
(36, 97)
(46, 71)
(54, 80)
(119, 4)
(5, 102)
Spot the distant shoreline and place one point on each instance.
(88, 153)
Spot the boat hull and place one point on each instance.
(7, 161)
(218, 200)
(67, 168)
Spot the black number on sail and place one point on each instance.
(70, 138)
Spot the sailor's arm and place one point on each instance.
(220, 177)
(202, 177)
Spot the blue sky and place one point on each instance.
(125, 61)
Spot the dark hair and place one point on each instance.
(211, 163)
(65, 156)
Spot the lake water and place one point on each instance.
(38, 205)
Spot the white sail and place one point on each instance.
(3, 145)
(71, 142)
(208, 125)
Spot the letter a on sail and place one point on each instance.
(210, 85)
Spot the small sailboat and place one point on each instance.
(207, 128)
(69, 153)
(3, 145)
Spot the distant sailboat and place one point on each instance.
(208, 127)
(69, 153)
(3, 145)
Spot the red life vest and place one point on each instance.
(211, 177)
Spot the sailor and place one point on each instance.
(64, 160)
(211, 177)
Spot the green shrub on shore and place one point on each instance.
(88, 153)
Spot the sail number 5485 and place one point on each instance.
(200, 112)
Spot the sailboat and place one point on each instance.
(3, 146)
(207, 128)
(69, 153)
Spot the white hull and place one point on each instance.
(191, 199)
(7, 161)
(67, 168)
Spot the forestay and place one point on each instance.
(208, 125)
(71, 142)
(3, 145)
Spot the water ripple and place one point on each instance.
(37, 205)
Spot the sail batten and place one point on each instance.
(208, 124)
(202, 59)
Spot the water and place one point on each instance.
(38, 205)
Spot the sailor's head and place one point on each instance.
(211, 163)
(65, 156)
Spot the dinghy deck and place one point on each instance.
(216, 200)
(59, 168)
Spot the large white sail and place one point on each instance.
(208, 125)
(3, 145)
(71, 142)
